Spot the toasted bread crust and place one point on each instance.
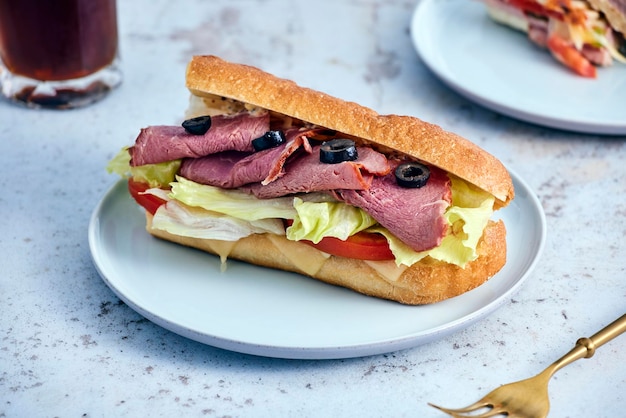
(614, 11)
(427, 281)
(412, 136)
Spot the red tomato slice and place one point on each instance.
(531, 6)
(528, 6)
(150, 202)
(361, 246)
(571, 57)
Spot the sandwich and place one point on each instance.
(268, 172)
(581, 34)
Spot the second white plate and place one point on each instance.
(500, 69)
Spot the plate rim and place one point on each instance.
(550, 121)
(321, 352)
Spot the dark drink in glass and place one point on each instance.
(58, 53)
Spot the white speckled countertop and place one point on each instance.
(70, 348)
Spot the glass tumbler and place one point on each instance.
(58, 53)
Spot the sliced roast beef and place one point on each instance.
(415, 216)
(215, 169)
(157, 144)
(296, 138)
(231, 169)
(307, 174)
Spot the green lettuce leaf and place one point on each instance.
(468, 216)
(232, 202)
(316, 220)
(156, 175)
(120, 164)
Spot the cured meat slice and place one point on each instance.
(217, 169)
(295, 139)
(415, 216)
(157, 144)
(231, 169)
(307, 174)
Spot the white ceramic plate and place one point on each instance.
(272, 313)
(500, 69)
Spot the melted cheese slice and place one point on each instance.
(222, 249)
(304, 257)
(311, 260)
(387, 269)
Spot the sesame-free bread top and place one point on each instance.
(210, 75)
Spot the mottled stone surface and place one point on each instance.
(70, 348)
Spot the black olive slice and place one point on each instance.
(197, 126)
(337, 151)
(270, 139)
(412, 175)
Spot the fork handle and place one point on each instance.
(586, 347)
(603, 336)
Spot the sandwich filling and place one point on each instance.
(217, 186)
(576, 34)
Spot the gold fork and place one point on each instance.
(529, 398)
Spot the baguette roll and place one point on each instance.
(614, 11)
(220, 87)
